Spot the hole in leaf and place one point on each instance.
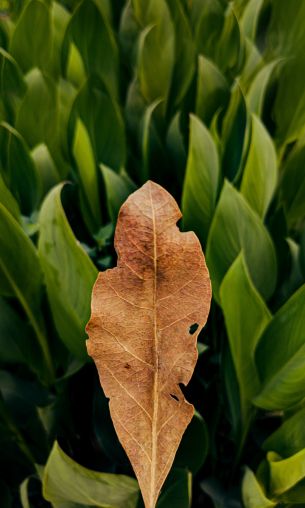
(193, 328)
(174, 397)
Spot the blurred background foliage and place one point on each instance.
(207, 98)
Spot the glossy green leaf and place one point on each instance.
(118, 187)
(233, 134)
(102, 118)
(212, 91)
(75, 71)
(7, 199)
(21, 277)
(59, 20)
(229, 53)
(36, 119)
(260, 174)
(250, 18)
(289, 438)
(155, 73)
(93, 36)
(239, 298)
(185, 56)
(253, 494)
(68, 273)
(258, 90)
(280, 356)
(45, 166)
(146, 135)
(201, 182)
(177, 490)
(19, 171)
(11, 79)
(237, 227)
(67, 481)
(207, 19)
(84, 158)
(292, 184)
(31, 48)
(285, 473)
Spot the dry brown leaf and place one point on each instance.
(141, 335)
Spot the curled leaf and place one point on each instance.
(142, 331)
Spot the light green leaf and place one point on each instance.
(66, 481)
(93, 36)
(230, 51)
(69, 274)
(45, 167)
(184, 65)
(250, 18)
(212, 91)
(280, 356)
(102, 118)
(19, 171)
(36, 119)
(201, 182)
(155, 73)
(259, 87)
(237, 227)
(260, 174)
(118, 188)
(75, 66)
(84, 158)
(146, 134)
(32, 47)
(285, 473)
(246, 316)
(253, 493)
(59, 20)
(289, 438)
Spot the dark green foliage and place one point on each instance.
(208, 99)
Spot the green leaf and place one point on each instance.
(194, 446)
(246, 316)
(32, 48)
(93, 36)
(258, 90)
(250, 18)
(36, 119)
(285, 473)
(18, 334)
(59, 20)
(207, 19)
(237, 227)
(185, 57)
(19, 171)
(280, 356)
(102, 118)
(233, 134)
(155, 73)
(69, 274)
(7, 199)
(212, 91)
(65, 480)
(177, 491)
(201, 182)
(45, 167)
(292, 184)
(253, 494)
(75, 66)
(21, 277)
(11, 79)
(84, 158)
(289, 438)
(118, 187)
(260, 174)
(146, 134)
(229, 52)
